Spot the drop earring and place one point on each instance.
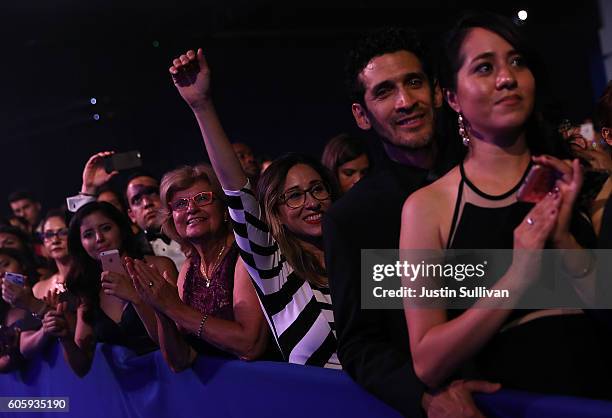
(462, 131)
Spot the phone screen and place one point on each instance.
(15, 278)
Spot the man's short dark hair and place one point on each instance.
(132, 176)
(20, 195)
(379, 42)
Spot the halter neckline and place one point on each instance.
(490, 196)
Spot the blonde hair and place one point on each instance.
(180, 179)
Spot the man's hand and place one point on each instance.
(94, 174)
(455, 400)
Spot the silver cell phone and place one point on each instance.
(111, 261)
(18, 279)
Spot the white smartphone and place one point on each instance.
(112, 262)
(587, 131)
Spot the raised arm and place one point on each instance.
(191, 76)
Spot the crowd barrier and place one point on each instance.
(121, 384)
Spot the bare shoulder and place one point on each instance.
(40, 289)
(427, 213)
(434, 198)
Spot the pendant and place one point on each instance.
(207, 282)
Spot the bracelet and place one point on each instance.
(87, 194)
(204, 318)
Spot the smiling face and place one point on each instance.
(55, 238)
(495, 88)
(99, 233)
(399, 102)
(195, 222)
(304, 221)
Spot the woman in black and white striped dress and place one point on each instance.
(281, 240)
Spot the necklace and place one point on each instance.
(59, 286)
(213, 267)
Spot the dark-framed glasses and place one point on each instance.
(50, 234)
(200, 199)
(297, 198)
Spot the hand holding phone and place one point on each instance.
(122, 161)
(111, 261)
(539, 182)
(16, 279)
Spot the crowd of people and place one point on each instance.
(230, 259)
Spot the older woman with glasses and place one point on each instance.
(214, 304)
(281, 240)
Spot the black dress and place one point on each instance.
(129, 332)
(561, 354)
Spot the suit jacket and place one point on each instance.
(373, 344)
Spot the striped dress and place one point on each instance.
(299, 313)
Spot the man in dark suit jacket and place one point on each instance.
(395, 93)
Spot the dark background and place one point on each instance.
(277, 75)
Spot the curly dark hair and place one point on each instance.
(379, 42)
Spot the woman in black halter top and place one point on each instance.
(491, 85)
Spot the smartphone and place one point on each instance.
(587, 131)
(539, 182)
(18, 279)
(112, 262)
(122, 161)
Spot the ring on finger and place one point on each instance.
(530, 221)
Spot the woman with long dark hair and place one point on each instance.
(490, 82)
(108, 308)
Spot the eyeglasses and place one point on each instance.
(297, 198)
(60, 233)
(200, 199)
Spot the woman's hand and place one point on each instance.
(191, 77)
(536, 227)
(152, 287)
(94, 174)
(598, 158)
(119, 285)
(54, 325)
(568, 187)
